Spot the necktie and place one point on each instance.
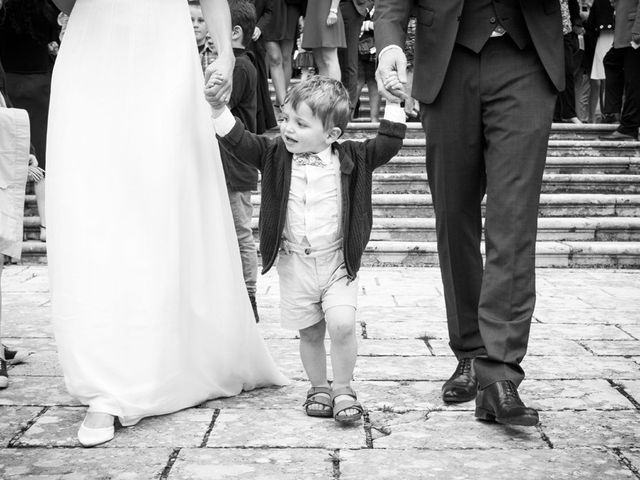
(308, 159)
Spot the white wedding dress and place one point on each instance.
(150, 310)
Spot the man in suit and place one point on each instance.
(353, 13)
(487, 73)
(622, 69)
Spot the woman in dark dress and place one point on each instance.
(278, 26)
(324, 34)
(27, 28)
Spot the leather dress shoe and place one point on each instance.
(617, 136)
(500, 403)
(462, 386)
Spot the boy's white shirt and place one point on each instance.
(314, 209)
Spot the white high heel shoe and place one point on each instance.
(90, 437)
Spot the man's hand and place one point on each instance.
(218, 79)
(391, 74)
(256, 34)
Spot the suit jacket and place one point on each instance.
(437, 28)
(627, 22)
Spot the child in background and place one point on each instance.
(206, 48)
(241, 179)
(316, 214)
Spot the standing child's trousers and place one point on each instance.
(311, 282)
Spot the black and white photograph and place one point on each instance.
(319, 239)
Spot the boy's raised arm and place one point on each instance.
(388, 142)
(245, 146)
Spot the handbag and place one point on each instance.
(367, 48)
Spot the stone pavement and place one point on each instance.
(583, 373)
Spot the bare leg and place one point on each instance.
(327, 60)
(314, 357)
(341, 324)
(594, 99)
(374, 99)
(276, 69)
(286, 49)
(39, 190)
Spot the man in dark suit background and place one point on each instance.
(353, 13)
(622, 69)
(487, 73)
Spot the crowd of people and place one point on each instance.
(131, 119)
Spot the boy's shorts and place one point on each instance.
(312, 283)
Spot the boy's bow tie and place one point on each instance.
(308, 159)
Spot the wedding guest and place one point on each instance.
(16, 165)
(571, 28)
(279, 34)
(600, 25)
(315, 217)
(622, 69)
(27, 29)
(242, 179)
(367, 69)
(353, 14)
(323, 34)
(265, 117)
(487, 75)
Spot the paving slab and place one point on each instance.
(497, 464)
(282, 429)
(14, 420)
(82, 464)
(443, 430)
(28, 390)
(550, 347)
(250, 463)
(613, 347)
(592, 316)
(614, 429)
(566, 367)
(58, 427)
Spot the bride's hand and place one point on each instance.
(218, 78)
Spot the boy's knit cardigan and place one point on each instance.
(357, 162)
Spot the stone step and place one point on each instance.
(599, 229)
(557, 148)
(410, 253)
(548, 254)
(416, 205)
(551, 205)
(571, 164)
(552, 183)
(363, 128)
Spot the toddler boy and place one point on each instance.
(316, 215)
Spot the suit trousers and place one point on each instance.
(348, 57)
(487, 132)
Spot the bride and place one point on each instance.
(150, 310)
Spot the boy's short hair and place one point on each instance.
(243, 13)
(327, 98)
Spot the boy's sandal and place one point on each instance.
(319, 396)
(346, 405)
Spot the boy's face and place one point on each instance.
(302, 131)
(199, 27)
